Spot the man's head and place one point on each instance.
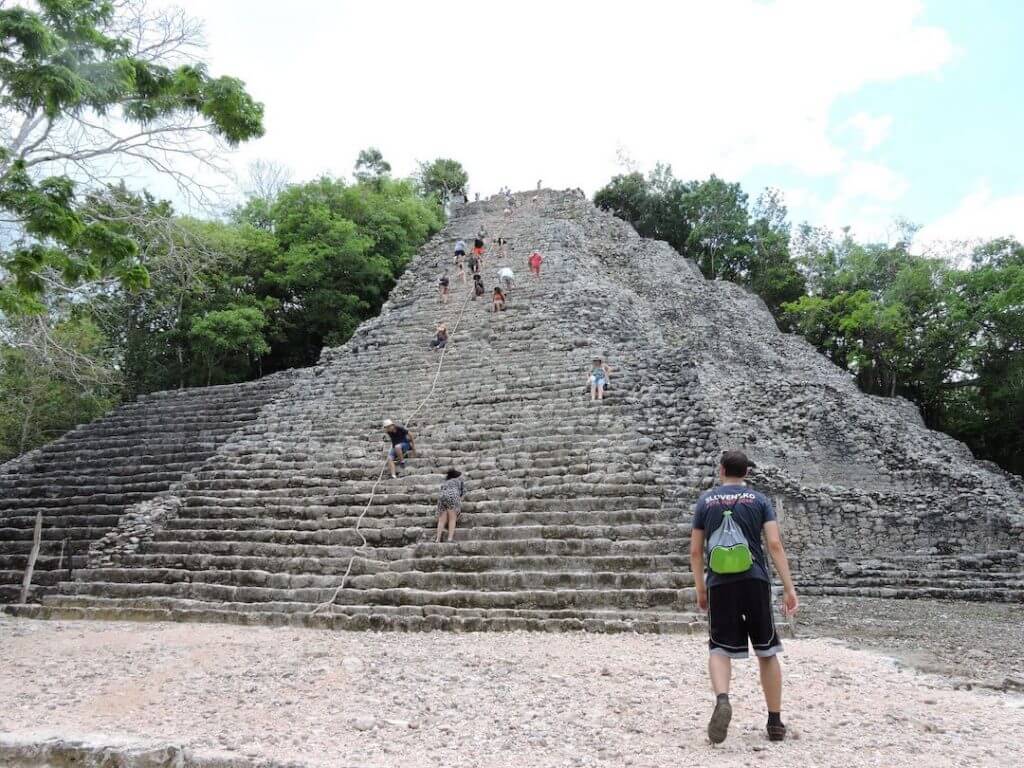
(597, 361)
(734, 465)
(388, 425)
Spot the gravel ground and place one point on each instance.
(971, 643)
(515, 699)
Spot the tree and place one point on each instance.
(442, 178)
(773, 273)
(51, 378)
(371, 165)
(82, 98)
(233, 332)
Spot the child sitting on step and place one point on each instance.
(441, 338)
(478, 286)
(498, 300)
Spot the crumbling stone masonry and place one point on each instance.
(577, 515)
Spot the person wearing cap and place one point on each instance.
(738, 603)
(402, 442)
(599, 376)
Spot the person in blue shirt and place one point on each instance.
(739, 604)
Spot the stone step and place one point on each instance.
(981, 593)
(393, 504)
(401, 560)
(485, 581)
(663, 598)
(358, 618)
(532, 547)
(375, 535)
(405, 517)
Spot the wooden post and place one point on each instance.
(36, 536)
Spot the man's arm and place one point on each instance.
(773, 539)
(697, 566)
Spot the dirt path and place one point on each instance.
(512, 699)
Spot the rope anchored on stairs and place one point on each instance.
(362, 547)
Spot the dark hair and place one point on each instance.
(736, 463)
(452, 474)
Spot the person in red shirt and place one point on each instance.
(535, 261)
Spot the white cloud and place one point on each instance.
(872, 130)
(864, 199)
(980, 215)
(551, 89)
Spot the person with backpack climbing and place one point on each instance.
(600, 373)
(730, 573)
(402, 442)
(449, 504)
(535, 261)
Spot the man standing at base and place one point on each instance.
(725, 542)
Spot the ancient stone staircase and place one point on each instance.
(565, 524)
(83, 482)
(577, 513)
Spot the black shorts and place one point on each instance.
(740, 612)
(460, 252)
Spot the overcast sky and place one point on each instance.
(859, 111)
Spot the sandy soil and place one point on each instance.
(514, 699)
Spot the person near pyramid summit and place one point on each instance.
(600, 374)
(449, 504)
(730, 572)
(460, 258)
(535, 261)
(402, 442)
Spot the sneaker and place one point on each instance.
(776, 732)
(718, 725)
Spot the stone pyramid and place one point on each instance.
(577, 513)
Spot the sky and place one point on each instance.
(860, 112)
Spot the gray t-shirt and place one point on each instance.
(750, 510)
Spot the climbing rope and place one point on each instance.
(359, 550)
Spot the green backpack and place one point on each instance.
(728, 550)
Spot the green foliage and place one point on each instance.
(229, 301)
(371, 165)
(441, 178)
(58, 66)
(41, 396)
(711, 223)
